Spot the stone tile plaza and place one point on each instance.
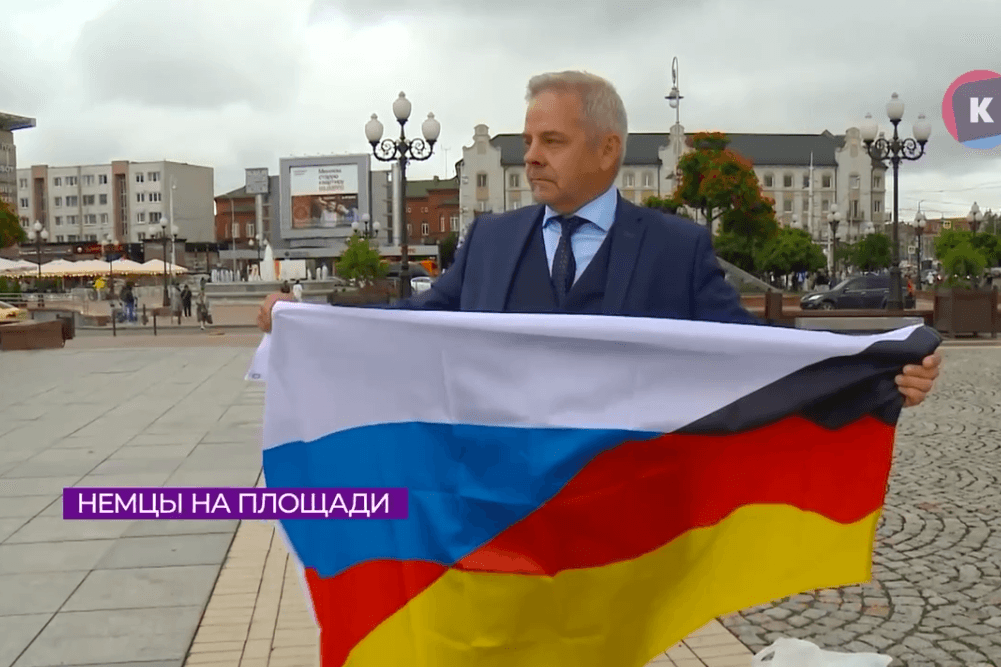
(176, 411)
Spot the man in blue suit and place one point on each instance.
(583, 248)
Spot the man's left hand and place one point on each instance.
(917, 381)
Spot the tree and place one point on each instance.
(446, 249)
(791, 251)
(963, 264)
(871, 252)
(11, 232)
(360, 261)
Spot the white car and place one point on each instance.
(420, 284)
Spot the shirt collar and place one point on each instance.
(599, 211)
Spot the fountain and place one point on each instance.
(268, 265)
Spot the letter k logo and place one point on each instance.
(978, 110)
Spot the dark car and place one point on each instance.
(857, 293)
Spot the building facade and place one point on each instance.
(123, 200)
(10, 123)
(432, 209)
(805, 174)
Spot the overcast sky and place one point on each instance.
(242, 83)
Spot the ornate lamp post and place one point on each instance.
(834, 217)
(974, 217)
(895, 150)
(674, 99)
(919, 229)
(38, 235)
(366, 229)
(403, 150)
(166, 227)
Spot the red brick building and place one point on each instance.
(432, 209)
(236, 217)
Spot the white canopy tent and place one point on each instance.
(159, 267)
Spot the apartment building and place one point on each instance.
(122, 200)
(432, 209)
(805, 174)
(9, 124)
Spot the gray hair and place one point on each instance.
(602, 107)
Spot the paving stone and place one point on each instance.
(37, 593)
(35, 486)
(135, 552)
(42, 557)
(168, 527)
(17, 632)
(33, 469)
(24, 507)
(56, 529)
(144, 588)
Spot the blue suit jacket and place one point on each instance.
(660, 266)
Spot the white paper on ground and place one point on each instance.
(799, 653)
(259, 364)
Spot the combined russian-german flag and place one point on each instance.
(584, 490)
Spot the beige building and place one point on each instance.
(125, 200)
(804, 173)
(9, 123)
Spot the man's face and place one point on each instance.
(565, 166)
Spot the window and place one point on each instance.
(806, 206)
(875, 206)
(59, 239)
(454, 220)
(102, 179)
(104, 218)
(629, 179)
(88, 180)
(787, 181)
(441, 222)
(854, 181)
(90, 219)
(72, 238)
(154, 176)
(73, 201)
(140, 197)
(855, 209)
(24, 202)
(141, 236)
(88, 200)
(24, 222)
(23, 183)
(425, 210)
(769, 181)
(647, 179)
(91, 237)
(155, 196)
(236, 230)
(410, 230)
(155, 216)
(72, 220)
(71, 180)
(787, 205)
(877, 182)
(408, 209)
(825, 181)
(58, 201)
(425, 229)
(806, 181)
(250, 229)
(57, 182)
(59, 220)
(139, 178)
(102, 200)
(825, 205)
(515, 181)
(516, 202)
(482, 205)
(481, 180)
(140, 217)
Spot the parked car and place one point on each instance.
(10, 312)
(868, 291)
(420, 284)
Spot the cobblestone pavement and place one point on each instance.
(935, 597)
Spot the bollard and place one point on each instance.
(154, 322)
(114, 322)
(145, 318)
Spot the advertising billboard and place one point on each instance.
(323, 196)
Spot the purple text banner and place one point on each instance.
(199, 504)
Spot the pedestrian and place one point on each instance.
(129, 302)
(175, 301)
(286, 289)
(186, 300)
(204, 316)
(297, 291)
(583, 248)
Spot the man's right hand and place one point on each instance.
(264, 314)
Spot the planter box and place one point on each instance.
(966, 311)
(32, 336)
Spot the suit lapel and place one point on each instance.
(626, 243)
(515, 236)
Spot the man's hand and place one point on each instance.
(917, 381)
(264, 314)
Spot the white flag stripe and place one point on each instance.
(331, 369)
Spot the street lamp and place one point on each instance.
(974, 217)
(38, 235)
(166, 227)
(674, 99)
(895, 150)
(110, 241)
(919, 229)
(366, 229)
(834, 219)
(403, 150)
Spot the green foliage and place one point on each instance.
(985, 243)
(446, 249)
(11, 232)
(961, 261)
(737, 250)
(871, 253)
(10, 286)
(361, 261)
(791, 251)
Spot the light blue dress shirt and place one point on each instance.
(599, 213)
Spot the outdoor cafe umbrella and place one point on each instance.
(157, 267)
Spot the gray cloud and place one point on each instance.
(188, 53)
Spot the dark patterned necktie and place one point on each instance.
(564, 264)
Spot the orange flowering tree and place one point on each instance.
(721, 185)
